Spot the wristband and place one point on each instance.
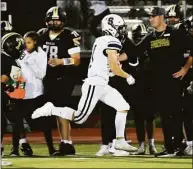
(68, 61)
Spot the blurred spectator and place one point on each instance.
(73, 11)
(25, 16)
(99, 11)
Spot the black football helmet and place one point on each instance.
(12, 44)
(6, 27)
(174, 11)
(138, 32)
(55, 13)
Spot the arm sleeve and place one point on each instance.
(130, 49)
(38, 64)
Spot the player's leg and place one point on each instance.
(46, 128)
(114, 99)
(3, 129)
(140, 130)
(89, 98)
(107, 129)
(63, 99)
(14, 115)
(150, 127)
(150, 114)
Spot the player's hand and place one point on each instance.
(130, 80)
(111, 74)
(55, 62)
(190, 88)
(9, 88)
(183, 71)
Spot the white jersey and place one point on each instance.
(98, 71)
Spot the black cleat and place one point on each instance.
(152, 150)
(66, 149)
(2, 151)
(165, 154)
(14, 152)
(54, 152)
(26, 149)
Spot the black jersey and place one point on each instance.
(61, 47)
(166, 51)
(7, 64)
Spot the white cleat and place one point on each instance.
(121, 153)
(112, 147)
(112, 150)
(140, 151)
(188, 150)
(6, 163)
(45, 110)
(123, 145)
(104, 150)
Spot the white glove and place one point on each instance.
(15, 72)
(111, 74)
(130, 80)
(190, 88)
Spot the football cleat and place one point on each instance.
(123, 145)
(104, 149)
(26, 149)
(45, 110)
(14, 152)
(66, 149)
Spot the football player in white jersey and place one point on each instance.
(95, 88)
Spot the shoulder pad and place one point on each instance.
(72, 33)
(42, 31)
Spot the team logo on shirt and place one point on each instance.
(160, 43)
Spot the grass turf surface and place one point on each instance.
(86, 158)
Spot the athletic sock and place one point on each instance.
(23, 140)
(142, 144)
(120, 122)
(151, 142)
(66, 141)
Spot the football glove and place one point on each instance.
(190, 88)
(130, 80)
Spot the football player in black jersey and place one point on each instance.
(174, 14)
(6, 28)
(12, 45)
(187, 112)
(63, 55)
(144, 112)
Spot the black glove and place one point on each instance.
(9, 88)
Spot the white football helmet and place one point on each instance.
(114, 25)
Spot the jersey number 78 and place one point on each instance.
(52, 51)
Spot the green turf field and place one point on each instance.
(86, 158)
